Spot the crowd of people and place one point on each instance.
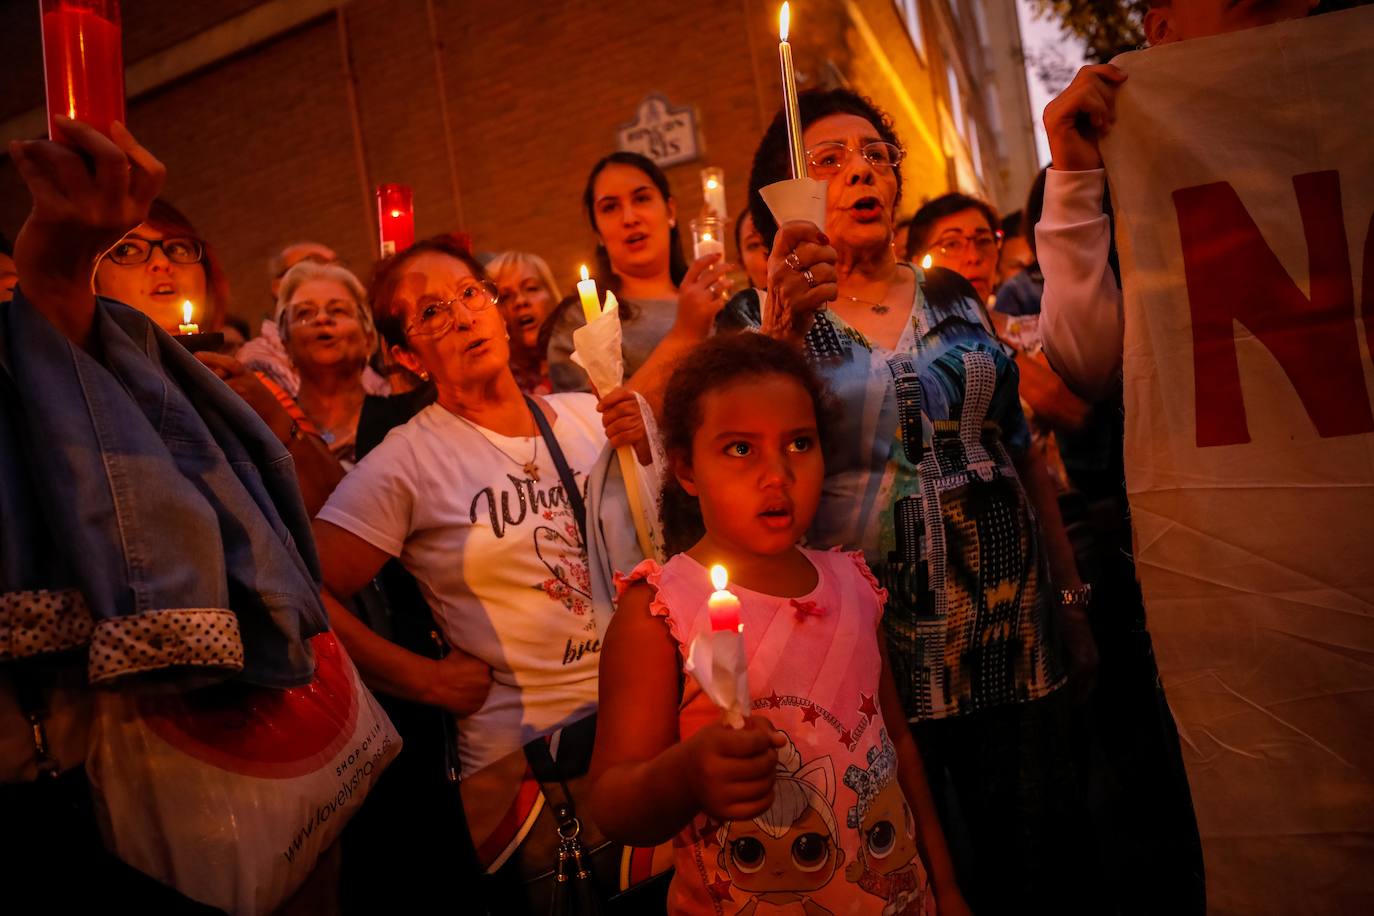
(913, 478)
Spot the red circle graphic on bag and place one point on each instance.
(261, 732)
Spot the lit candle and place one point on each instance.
(713, 191)
(723, 606)
(395, 218)
(797, 151)
(586, 291)
(187, 326)
(926, 262)
(83, 62)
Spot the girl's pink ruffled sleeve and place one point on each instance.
(857, 557)
(650, 572)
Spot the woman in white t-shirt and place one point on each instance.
(469, 498)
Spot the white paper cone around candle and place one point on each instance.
(597, 349)
(718, 663)
(796, 199)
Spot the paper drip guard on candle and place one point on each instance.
(796, 199)
(597, 349)
(716, 657)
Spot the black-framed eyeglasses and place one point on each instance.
(826, 159)
(435, 316)
(135, 249)
(955, 245)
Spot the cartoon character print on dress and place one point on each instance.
(777, 860)
(889, 863)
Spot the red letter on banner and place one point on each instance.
(1233, 275)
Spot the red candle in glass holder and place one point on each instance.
(395, 218)
(83, 62)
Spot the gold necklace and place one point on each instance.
(531, 468)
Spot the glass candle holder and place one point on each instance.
(395, 218)
(707, 236)
(83, 62)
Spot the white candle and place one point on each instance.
(796, 150)
(713, 191)
(586, 291)
(187, 326)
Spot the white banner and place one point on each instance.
(1243, 180)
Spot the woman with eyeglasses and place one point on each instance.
(930, 474)
(470, 496)
(162, 264)
(959, 233)
(666, 306)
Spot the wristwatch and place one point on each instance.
(1081, 596)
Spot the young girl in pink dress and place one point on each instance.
(819, 804)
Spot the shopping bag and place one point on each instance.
(230, 794)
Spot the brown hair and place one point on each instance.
(714, 364)
(387, 314)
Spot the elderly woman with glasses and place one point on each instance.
(328, 335)
(930, 474)
(161, 265)
(959, 233)
(470, 496)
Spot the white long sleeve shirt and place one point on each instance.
(1081, 318)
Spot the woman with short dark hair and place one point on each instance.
(930, 474)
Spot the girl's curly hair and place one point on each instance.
(718, 362)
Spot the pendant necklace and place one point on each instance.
(876, 308)
(531, 467)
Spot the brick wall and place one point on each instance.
(261, 146)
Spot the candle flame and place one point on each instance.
(186, 312)
(395, 214)
(707, 237)
(585, 275)
(712, 183)
(719, 578)
(926, 262)
(784, 20)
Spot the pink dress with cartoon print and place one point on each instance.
(839, 838)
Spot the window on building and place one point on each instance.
(975, 147)
(910, 11)
(994, 110)
(956, 101)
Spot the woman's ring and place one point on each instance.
(810, 280)
(793, 261)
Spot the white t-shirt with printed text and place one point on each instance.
(497, 555)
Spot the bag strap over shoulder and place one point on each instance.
(565, 474)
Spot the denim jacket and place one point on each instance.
(175, 511)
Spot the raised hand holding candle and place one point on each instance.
(801, 197)
(796, 149)
(716, 657)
